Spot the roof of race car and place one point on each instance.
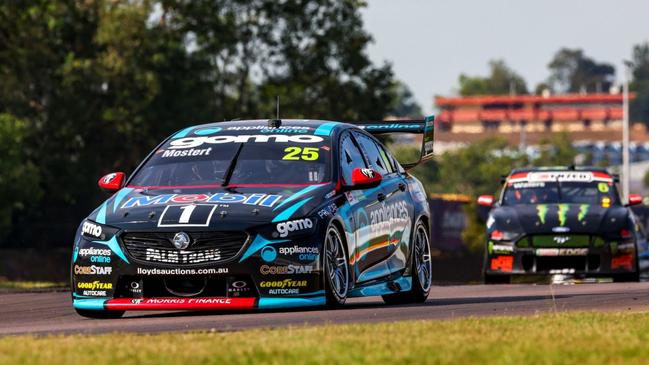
(559, 169)
(319, 127)
(560, 173)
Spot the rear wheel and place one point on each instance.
(421, 271)
(336, 270)
(99, 314)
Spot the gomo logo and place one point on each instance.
(191, 142)
(91, 229)
(291, 226)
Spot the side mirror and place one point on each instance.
(634, 199)
(486, 200)
(112, 182)
(364, 179)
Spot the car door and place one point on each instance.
(392, 217)
(366, 238)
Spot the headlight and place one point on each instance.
(97, 232)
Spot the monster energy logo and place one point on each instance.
(542, 210)
(583, 210)
(563, 211)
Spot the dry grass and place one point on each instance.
(572, 338)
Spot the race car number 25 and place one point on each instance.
(194, 215)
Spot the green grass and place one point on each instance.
(5, 284)
(573, 338)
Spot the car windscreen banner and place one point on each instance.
(423, 127)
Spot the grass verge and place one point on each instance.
(571, 338)
(26, 285)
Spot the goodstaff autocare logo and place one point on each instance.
(95, 285)
(191, 142)
(264, 200)
(285, 228)
(288, 269)
(94, 252)
(283, 284)
(92, 270)
(91, 229)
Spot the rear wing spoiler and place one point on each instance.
(425, 127)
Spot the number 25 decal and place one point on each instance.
(299, 153)
(194, 215)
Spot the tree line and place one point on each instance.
(91, 86)
(570, 71)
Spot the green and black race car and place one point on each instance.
(561, 221)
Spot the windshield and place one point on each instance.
(600, 193)
(238, 160)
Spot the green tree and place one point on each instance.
(640, 106)
(502, 80)
(19, 181)
(99, 83)
(474, 170)
(404, 105)
(556, 150)
(572, 71)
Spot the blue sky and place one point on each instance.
(430, 43)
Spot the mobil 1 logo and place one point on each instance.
(193, 215)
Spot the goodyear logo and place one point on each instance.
(94, 285)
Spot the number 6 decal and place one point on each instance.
(194, 215)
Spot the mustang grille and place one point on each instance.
(204, 247)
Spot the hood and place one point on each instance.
(560, 218)
(223, 208)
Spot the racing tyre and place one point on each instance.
(421, 271)
(497, 279)
(336, 270)
(99, 314)
(627, 278)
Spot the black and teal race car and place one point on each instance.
(561, 221)
(258, 214)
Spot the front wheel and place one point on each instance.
(421, 271)
(336, 270)
(99, 314)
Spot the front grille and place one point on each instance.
(577, 263)
(205, 247)
(560, 240)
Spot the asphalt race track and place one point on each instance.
(43, 313)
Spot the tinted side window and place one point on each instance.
(350, 157)
(377, 161)
(387, 158)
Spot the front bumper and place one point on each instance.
(607, 259)
(263, 274)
